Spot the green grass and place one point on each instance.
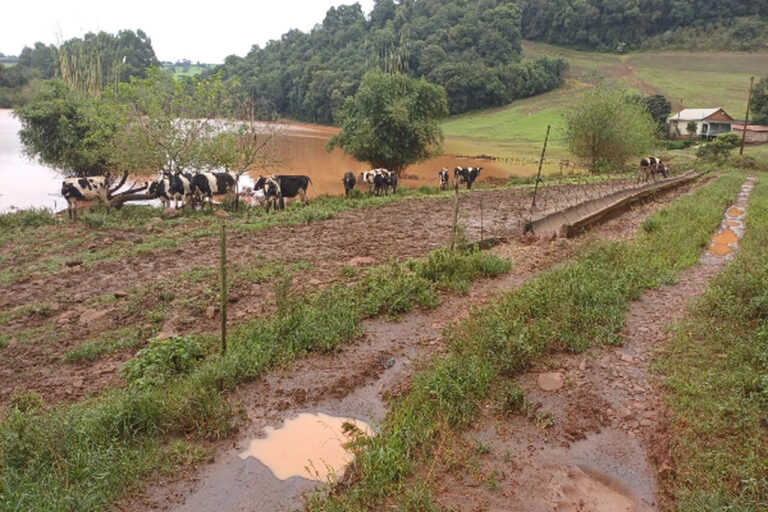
(86, 455)
(688, 80)
(715, 373)
(568, 308)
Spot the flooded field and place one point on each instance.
(300, 149)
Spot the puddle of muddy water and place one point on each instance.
(726, 240)
(309, 446)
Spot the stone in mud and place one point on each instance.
(210, 312)
(551, 381)
(170, 213)
(361, 261)
(91, 315)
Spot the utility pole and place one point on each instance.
(541, 162)
(746, 117)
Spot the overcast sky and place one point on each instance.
(199, 31)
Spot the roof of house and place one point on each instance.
(694, 114)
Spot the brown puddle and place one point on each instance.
(725, 237)
(309, 446)
(732, 223)
(735, 212)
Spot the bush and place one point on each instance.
(719, 149)
(162, 361)
(30, 218)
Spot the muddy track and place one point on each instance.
(608, 444)
(399, 230)
(352, 383)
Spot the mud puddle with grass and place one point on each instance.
(354, 383)
(598, 440)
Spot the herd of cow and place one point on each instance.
(194, 189)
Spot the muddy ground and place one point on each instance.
(355, 383)
(150, 293)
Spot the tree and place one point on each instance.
(759, 104)
(607, 128)
(659, 108)
(70, 131)
(392, 121)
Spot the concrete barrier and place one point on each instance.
(575, 219)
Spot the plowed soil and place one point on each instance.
(355, 383)
(359, 237)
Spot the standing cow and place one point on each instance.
(84, 189)
(286, 185)
(206, 184)
(349, 182)
(443, 177)
(391, 181)
(377, 180)
(466, 175)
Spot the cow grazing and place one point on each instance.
(466, 175)
(349, 182)
(650, 167)
(206, 184)
(84, 189)
(443, 177)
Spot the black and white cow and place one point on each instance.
(287, 185)
(391, 181)
(349, 182)
(84, 189)
(650, 167)
(180, 188)
(206, 184)
(443, 177)
(270, 188)
(466, 175)
(161, 189)
(377, 180)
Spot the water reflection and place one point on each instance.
(309, 446)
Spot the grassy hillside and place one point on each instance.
(688, 80)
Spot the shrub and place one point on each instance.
(162, 361)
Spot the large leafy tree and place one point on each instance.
(392, 121)
(70, 131)
(607, 128)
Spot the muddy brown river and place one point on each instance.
(300, 149)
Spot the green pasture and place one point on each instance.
(688, 80)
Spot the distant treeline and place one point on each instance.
(88, 63)
(470, 47)
(620, 25)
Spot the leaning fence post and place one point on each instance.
(541, 162)
(455, 216)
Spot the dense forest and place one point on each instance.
(472, 48)
(620, 25)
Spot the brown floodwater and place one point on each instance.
(299, 149)
(311, 446)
